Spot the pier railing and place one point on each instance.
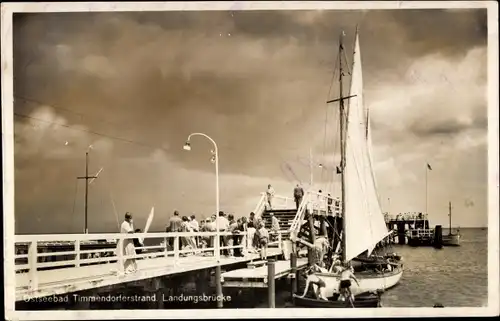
(168, 245)
(405, 217)
(313, 201)
(278, 202)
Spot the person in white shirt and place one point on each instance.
(196, 228)
(127, 227)
(270, 195)
(223, 227)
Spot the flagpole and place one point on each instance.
(426, 171)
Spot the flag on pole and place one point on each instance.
(429, 167)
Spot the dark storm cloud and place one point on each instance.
(256, 81)
(447, 127)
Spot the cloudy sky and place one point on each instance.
(135, 85)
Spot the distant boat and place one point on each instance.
(452, 239)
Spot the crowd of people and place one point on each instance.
(249, 231)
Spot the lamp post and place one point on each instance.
(187, 146)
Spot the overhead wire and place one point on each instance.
(88, 131)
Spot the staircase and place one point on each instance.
(285, 217)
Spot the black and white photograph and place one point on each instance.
(250, 159)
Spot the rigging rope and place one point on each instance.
(108, 185)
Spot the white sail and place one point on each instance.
(365, 224)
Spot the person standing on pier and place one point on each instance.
(130, 265)
(232, 239)
(223, 227)
(263, 239)
(174, 226)
(298, 194)
(275, 226)
(270, 196)
(196, 228)
(137, 242)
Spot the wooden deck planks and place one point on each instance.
(66, 280)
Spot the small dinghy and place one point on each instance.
(362, 300)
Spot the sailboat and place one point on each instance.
(363, 220)
(452, 239)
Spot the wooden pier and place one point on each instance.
(73, 272)
(256, 276)
(415, 229)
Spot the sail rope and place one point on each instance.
(108, 185)
(325, 169)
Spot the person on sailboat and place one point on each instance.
(298, 194)
(345, 283)
(196, 227)
(314, 280)
(130, 265)
(320, 247)
(270, 195)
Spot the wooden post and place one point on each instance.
(33, 262)
(323, 225)
(271, 290)
(176, 250)
(310, 253)
(401, 233)
(280, 246)
(77, 253)
(158, 287)
(438, 237)
(218, 286)
(293, 266)
(165, 239)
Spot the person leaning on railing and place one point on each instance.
(137, 242)
(263, 239)
(230, 239)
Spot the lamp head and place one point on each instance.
(187, 146)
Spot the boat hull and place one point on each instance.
(368, 300)
(368, 281)
(451, 240)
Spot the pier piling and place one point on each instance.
(312, 238)
(293, 266)
(218, 286)
(438, 237)
(401, 233)
(270, 284)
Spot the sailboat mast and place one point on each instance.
(449, 214)
(342, 148)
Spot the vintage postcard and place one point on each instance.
(250, 159)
